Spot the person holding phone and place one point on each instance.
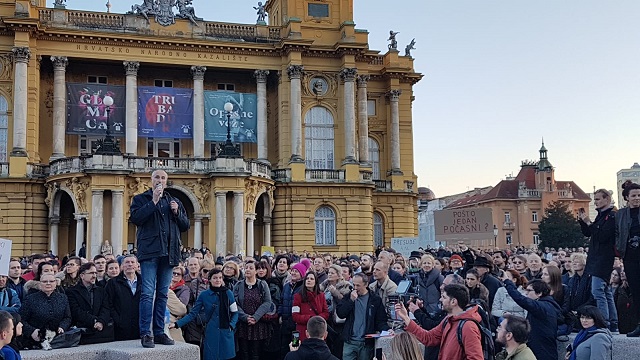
(314, 346)
(159, 218)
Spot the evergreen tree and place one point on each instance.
(559, 228)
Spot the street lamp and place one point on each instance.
(108, 146)
(227, 149)
(495, 236)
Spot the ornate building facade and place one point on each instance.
(324, 156)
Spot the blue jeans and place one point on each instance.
(601, 292)
(356, 350)
(156, 277)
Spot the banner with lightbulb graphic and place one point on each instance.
(242, 117)
(87, 111)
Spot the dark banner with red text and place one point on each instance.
(165, 112)
(87, 114)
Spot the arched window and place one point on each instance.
(318, 132)
(374, 158)
(4, 128)
(325, 219)
(378, 230)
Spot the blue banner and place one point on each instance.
(165, 112)
(242, 117)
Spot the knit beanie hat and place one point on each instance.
(300, 268)
(456, 257)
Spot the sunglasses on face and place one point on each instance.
(205, 271)
(177, 274)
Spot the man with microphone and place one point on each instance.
(160, 218)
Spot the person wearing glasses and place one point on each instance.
(69, 276)
(178, 285)
(46, 308)
(193, 331)
(513, 333)
(90, 308)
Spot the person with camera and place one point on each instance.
(314, 346)
(628, 241)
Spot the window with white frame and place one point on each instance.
(536, 238)
(163, 83)
(374, 158)
(507, 217)
(4, 128)
(534, 216)
(371, 108)
(378, 230)
(318, 131)
(325, 219)
(226, 87)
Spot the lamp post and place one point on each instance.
(495, 236)
(108, 146)
(227, 149)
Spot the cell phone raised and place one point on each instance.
(295, 339)
(379, 353)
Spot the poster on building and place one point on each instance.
(87, 114)
(242, 118)
(5, 256)
(405, 245)
(165, 112)
(464, 224)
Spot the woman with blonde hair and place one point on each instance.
(230, 273)
(405, 346)
(428, 284)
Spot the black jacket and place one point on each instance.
(124, 307)
(376, 315)
(602, 244)
(492, 284)
(623, 226)
(153, 240)
(40, 311)
(311, 349)
(84, 314)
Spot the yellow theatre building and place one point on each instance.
(293, 135)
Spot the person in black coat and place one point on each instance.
(602, 233)
(314, 346)
(90, 308)
(123, 294)
(484, 266)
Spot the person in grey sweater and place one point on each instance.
(594, 341)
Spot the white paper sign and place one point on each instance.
(5, 256)
(406, 245)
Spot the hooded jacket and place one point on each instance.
(311, 349)
(446, 336)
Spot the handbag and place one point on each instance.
(67, 339)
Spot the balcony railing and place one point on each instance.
(37, 170)
(508, 226)
(565, 194)
(281, 175)
(95, 20)
(257, 168)
(383, 185)
(366, 175)
(325, 175)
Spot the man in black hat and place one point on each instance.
(484, 265)
(355, 263)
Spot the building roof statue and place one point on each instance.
(393, 43)
(262, 13)
(408, 48)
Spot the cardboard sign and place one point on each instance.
(5, 256)
(464, 224)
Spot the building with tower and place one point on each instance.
(518, 204)
(294, 135)
(633, 174)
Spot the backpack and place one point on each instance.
(486, 335)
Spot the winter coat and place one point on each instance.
(446, 336)
(177, 309)
(376, 319)
(387, 289)
(125, 307)
(152, 239)
(40, 311)
(602, 232)
(342, 289)
(264, 308)
(288, 291)
(311, 349)
(623, 226)
(625, 308)
(84, 314)
(19, 287)
(183, 293)
(303, 311)
(492, 284)
(598, 346)
(218, 343)
(578, 293)
(429, 289)
(543, 315)
(9, 300)
(522, 352)
(504, 303)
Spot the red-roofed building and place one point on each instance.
(518, 203)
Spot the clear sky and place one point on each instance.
(499, 76)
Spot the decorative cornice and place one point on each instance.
(348, 74)
(59, 62)
(198, 72)
(362, 80)
(261, 75)
(295, 71)
(131, 67)
(394, 95)
(21, 54)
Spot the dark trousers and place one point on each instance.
(632, 270)
(249, 349)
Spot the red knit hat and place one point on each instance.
(456, 257)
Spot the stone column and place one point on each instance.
(131, 118)
(363, 120)
(198, 111)
(197, 232)
(267, 231)
(295, 111)
(394, 96)
(53, 231)
(221, 222)
(59, 105)
(250, 239)
(261, 82)
(348, 75)
(97, 236)
(21, 56)
(238, 222)
(117, 224)
(79, 231)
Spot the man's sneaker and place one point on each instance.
(163, 339)
(147, 341)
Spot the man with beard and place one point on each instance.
(366, 263)
(513, 333)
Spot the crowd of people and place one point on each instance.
(461, 303)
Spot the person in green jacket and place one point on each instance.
(513, 333)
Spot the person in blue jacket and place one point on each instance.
(543, 313)
(221, 317)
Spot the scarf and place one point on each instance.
(177, 285)
(582, 336)
(224, 305)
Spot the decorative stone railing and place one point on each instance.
(257, 168)
(281, 175)
(383, 185)
(96, 20)
(37, 170)
(529, 193)
(565, 194)
(324, 175)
